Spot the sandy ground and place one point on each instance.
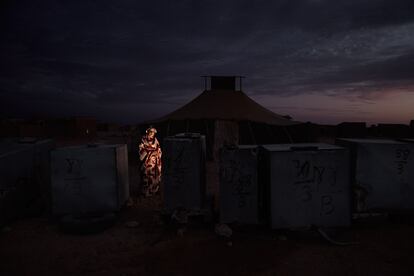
(37, 247)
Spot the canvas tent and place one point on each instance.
(227, 116)
(220, 103)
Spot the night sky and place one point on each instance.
(323, 61)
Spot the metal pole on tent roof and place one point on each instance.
(208, 138)
(240, 79)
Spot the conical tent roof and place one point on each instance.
(226, 104)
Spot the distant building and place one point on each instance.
(10, 127)
(108, 127)
(75, 127)
(393, 130)
(32, 129)
(351, 130)
(83, 127)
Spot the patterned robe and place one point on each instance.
(150, 157)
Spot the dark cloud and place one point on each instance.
(141, 59)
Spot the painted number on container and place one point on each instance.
(309, 178)
(401, 156)
(177, 169)
(327, 206)
(239, 181)
(74, 176)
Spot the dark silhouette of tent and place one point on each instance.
(220, 103)
(226, 115)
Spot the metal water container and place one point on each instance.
(308, 185)
(240, 199)
(183, 172)
(382, 174)
(89, 179)
(24, 176)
